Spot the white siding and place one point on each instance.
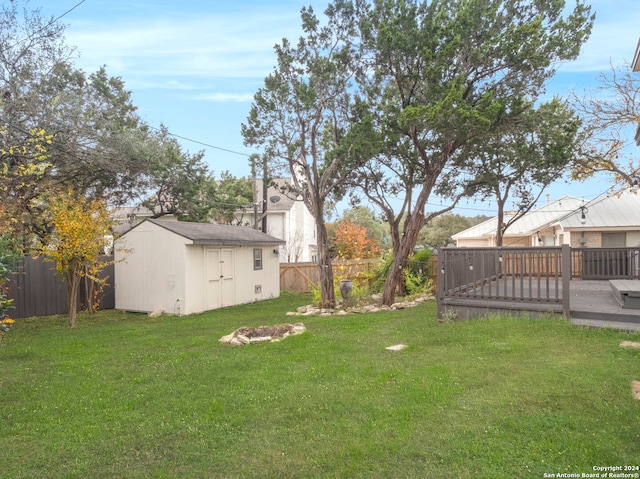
(194, 281)
(255, 285)
(303, 224)
(152, 272)
(163, 270)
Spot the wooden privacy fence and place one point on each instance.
(528, 279)
(37, 290)
(298, 276)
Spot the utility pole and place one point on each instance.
(252, 160)
(265, 185)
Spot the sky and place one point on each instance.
(194, 65)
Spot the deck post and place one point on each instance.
(566, 280)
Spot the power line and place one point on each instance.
(60, 16)
(53, 20)
(200, 142)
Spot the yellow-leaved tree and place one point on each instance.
(80, 235)
(24, 172)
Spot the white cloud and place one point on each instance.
(613, 38)
(226, 97)
(212, 46)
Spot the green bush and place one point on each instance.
(7, 261)
(416, 273)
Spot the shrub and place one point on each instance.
(416, 273)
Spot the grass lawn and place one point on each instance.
(126, 396)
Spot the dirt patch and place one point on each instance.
(629, 344)
(278, 331)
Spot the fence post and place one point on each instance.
(440, 286)
(566, 280)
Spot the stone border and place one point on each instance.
(311, 310)
(262, 334)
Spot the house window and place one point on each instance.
(257, 258)
(614, 240)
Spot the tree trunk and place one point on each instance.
(325, 269)
(89, 288)
(72, 277)
(395, 278)
(500, 228)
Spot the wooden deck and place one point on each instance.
(626, 292)
(575, 282)
(592, 303)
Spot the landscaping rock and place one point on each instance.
(227, 338)
(397, 347)
(260, 339)
(374, 307)
(262, 334)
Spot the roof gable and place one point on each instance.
(614, 210)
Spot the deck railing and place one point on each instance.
(605, 263)
(530, 279)
(502, 278)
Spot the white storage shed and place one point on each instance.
(185, 268)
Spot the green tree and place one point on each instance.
(178, 183)
(98, 139)
(438, 231)
(520, 164)
(92, 126)
(232, 193)
(301, 119)
(443, 77)
(8, 259)
(22, 170)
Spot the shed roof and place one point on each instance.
(219, 235)
(614, 210)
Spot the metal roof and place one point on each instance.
(635, 64)
(528, 224)
(220, 235)
(615, 210)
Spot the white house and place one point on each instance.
(532, 229)
(185, 268)
(288, 219)
(608, 221)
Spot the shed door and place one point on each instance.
(220, 272)
(228, 268)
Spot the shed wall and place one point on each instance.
(152, 275)
(256, 285)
